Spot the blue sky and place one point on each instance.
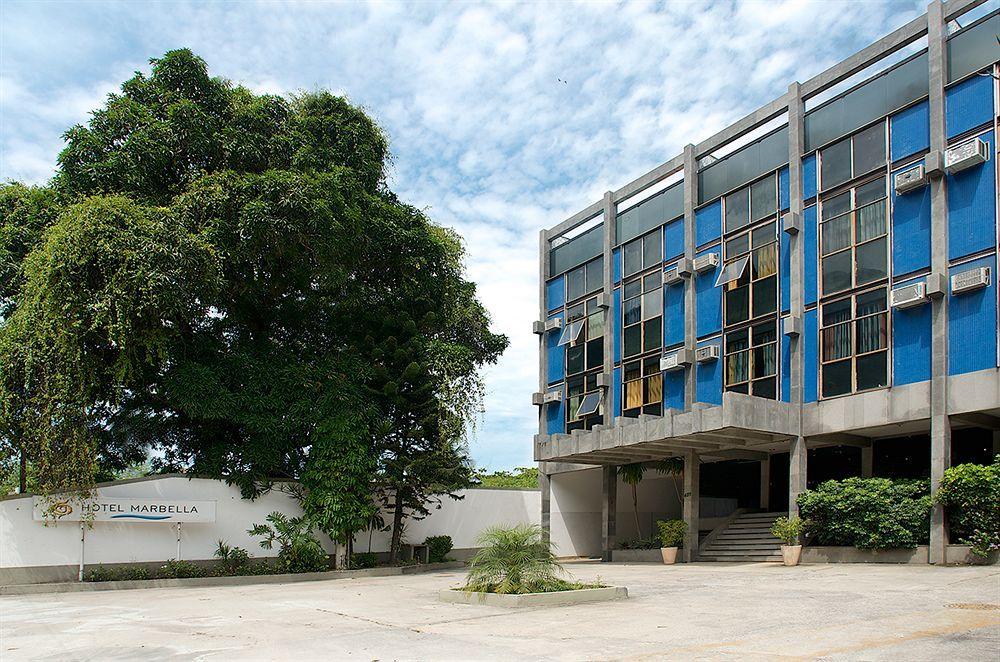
(503, 118)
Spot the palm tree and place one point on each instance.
(513, 559)
(672, 466)
(631, 475)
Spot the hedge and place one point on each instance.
(970, 494)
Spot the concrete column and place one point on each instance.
(798, 460)
(609, 334)
(937, 58)
(609, 510)
(765, 483)
(690, 319)
(692, 492)
(545, 487)
(796, 242)
(543, 275)
(867, 461)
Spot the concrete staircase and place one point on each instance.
(747, 538)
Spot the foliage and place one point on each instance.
(175, 569)
(671, 532)
(364, 560)
(223, 280)
(970, 494)
(631, 475)
(233, 560)
(103, 573)
(520, 477)
(868, 513)
(788, 530)
(674, 467)
(298, 551)
(640, 543)
(438, 548)
(515, 559)
(10, 473)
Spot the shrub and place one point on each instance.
(233, 560)
(298, 551)
(787, 530)
(123, 573)
(970, 494)
(174, 569)
(516, 559)
(438, 548)
(640, 543)
(363, 560)
(868, 513)
(672, 532)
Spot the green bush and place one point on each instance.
(640, 543)
(970, 494)
(515, 559)
(787, 530)
(672, 532)
(438, 548)
(123, 573)
(364, 560)
(234, 560)
(868, 513)
(298, 551)
(174, 569)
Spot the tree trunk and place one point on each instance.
(23, 480)
(397, 529)
(635, 508)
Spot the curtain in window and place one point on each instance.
(836, 234)
(654, 389)
(738, 367)
(871, 333)
(633, 394)
(633, 311)
(765, 261)
(870, 221)
(764, 363)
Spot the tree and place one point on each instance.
(631, 475)
(226, 278)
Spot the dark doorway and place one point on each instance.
(971, 446)
(902, 457)
(733, 479)
(779, 482)
(832, 463)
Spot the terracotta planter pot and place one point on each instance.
(790, 554)
(669, 555)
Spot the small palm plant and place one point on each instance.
(631, 475)
(516, 559)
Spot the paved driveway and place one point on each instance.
(701, 611)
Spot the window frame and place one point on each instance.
(850, 139)
(852, 325)
(657, 278)
(650, 381)
(750, 220)
(655, 235)
(747, 278)
(751, 350)
(853, 214)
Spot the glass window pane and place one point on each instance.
(837, 342)
(738, 367)
(632, 289)
(574, 359)
(869, 149)
(632, 256)
(589, 404)
(574, 313)
(737, 209)
(837, 205)
(633, 310)
(651, 365)
(652, 282)
(764, 333)
(570, 332)
(737, 341)
(737, 245)
(871, 302)
(633, 371)
(652, 304)
(576, 285)
(837, 272)
(870, 192)
(836, 164)
(765, 261)
(652, 249)
(766, 388)
(737, 305)
(652, 334)
(633, 394)
(872, 371)
(633, 340)
(739, 388)
(870, 221)
(763, 198)
(765, 296)
(838, 311)
(836, 378)
(871, 261)
(836, 234)
(764, 235)
(732, 271)
(595, 353)
(595, 325)
(595, 274)
(871, 333)
(654, 388)
(764, 364)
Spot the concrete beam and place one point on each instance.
(977, 419)
(867, 461)
(842, 439)
(545, 487)
(690, 300)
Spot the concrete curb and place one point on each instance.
(250, 580)
(554, 599)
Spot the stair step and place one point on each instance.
(738, 559)
(748, 553)
(745, 536)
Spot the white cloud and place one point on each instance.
(503, 118)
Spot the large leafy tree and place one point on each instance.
(225, 278)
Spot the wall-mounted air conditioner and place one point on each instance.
(707, 353)
(537, 398)
(545, 398)
(908, 296)
(968, 154)
(553, 324)
(676, 360)
(675, 273)
(909, 180)
(706, 262)
(970, 280)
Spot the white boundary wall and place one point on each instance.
(31, 551)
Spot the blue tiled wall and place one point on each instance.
(673, 238)
(810, 234)
(811, 356)
(809, 177)
(708, 223)
(673, 314)
(616, 391)
(616, 312)
(673, 390)
(709, 301)
(785, 271)
(616, 266)
(783, 200)
(555, 293)
(555, 356)
(968, 104)
(555, 420)
(709, 379)
(972, 208)
(972, 323)
(786, 367)
(910, 131)
(911, 344)
(911, 229)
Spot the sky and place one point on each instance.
(503, 118)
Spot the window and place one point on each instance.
(582, 412)
(853, 237)
(750, 275)
(752, 203)
(752, 360)
(642, 314)
(642, 253)
(854, 343)
(585, 279)
(584, 335)
(643, 387)
(853, 156)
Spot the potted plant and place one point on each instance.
(671, 536)
(788, 530)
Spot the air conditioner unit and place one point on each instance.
(676, 360)
(706, 262)
(552, 396)
(554, 323)
(908, 295)
(909, 180)
(675, 273)
(966, 155)
(706, 354)
(538, 327)
(970, 280)
(791, 223)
